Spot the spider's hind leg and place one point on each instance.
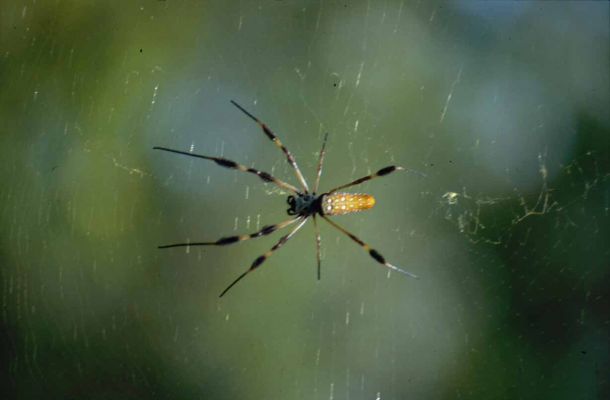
(372, 252)
(382, 172)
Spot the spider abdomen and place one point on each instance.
(345, 203)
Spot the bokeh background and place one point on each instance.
(501, 108)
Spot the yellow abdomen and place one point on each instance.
(345, 203)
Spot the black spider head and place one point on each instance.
(292, 205)
(303, 204)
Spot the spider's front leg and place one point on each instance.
(266, 230)
(262, 258)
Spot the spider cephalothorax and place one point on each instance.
(302, 204)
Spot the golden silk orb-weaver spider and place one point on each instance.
(303, 204)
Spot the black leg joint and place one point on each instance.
(377, 256)
(227, 240)
(386, 170)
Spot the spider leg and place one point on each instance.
(372, 252)
(261, 259)
(315, 224)
(381, 172)
(279, 144)
(320, 163)
(266, 230)
(223, 162)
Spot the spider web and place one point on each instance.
(498, 110)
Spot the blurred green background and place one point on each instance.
(503, 106)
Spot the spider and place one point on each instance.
(303, 204)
